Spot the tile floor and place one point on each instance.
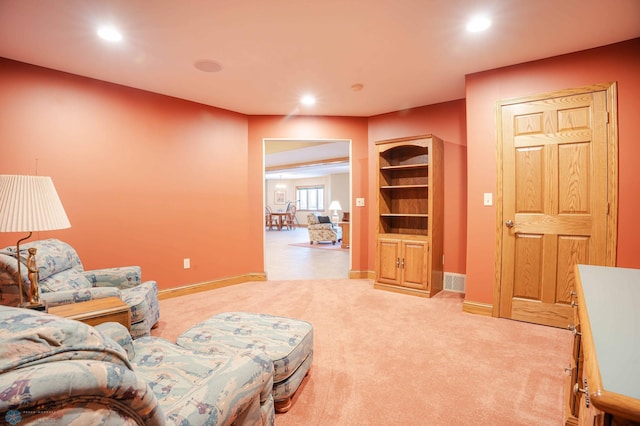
(285, 262)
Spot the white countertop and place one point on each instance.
(612, 298)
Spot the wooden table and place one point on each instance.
(280, 216)
(94, 312)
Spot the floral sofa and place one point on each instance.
(322, 231)
(63, 280)
(57, 371)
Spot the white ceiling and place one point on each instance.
(311, 153)
(406, 53)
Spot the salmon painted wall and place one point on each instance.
(310, 128)
(447, 121)
(144, 178)
(618, 62)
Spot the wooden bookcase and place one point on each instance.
(410, 215)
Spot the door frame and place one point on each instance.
(611, 90)
(265, 140)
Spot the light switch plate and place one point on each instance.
(359, 202)
(488, 199)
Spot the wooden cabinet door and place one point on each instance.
(414, 264)
(388, 261)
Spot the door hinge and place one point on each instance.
(606, 118)
(608, 208)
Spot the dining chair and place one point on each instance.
(269, 220)
(290, 219)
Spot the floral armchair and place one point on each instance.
(322, 231)
(63, 280)
(58, 371)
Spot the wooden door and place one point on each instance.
(558, 198)
(388, 261)
(414, 264)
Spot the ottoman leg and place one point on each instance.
(282, 406)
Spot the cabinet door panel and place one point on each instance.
(414, 264)
(388, 259)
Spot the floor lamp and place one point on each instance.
(30, 204)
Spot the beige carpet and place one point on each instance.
(383, 358)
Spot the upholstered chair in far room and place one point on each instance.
(63, 280)
(321, 229)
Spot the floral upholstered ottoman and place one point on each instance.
(288, 342)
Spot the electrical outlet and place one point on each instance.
(187, 263)
(359, 202)
(488, 199)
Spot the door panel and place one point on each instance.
(571, 250)
(528, 255)
(415, 264)
(554, 185)
(530, 187)
(574, 185)
(388, 259)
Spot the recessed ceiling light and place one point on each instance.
(109, 34)
(478, 23)
(308, 100)
(208, 65)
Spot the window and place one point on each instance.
(310, 197)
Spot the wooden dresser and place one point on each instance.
(606, 378)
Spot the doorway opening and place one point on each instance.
(303, 177)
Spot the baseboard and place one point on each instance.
(477, 308)
(210, 285)
(402, 290)
(355, 275)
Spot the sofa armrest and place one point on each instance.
(119, 334)
(318, 226)
(122, 277)
(74, 392)
(65, 297)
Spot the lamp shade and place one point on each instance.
(30, 203)
(335, 205)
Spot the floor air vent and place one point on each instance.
(454, 282)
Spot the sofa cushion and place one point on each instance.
(70, 279)
(121, 277)
(176, 375)
(324, 219)
(287, 341)
(53, 256)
